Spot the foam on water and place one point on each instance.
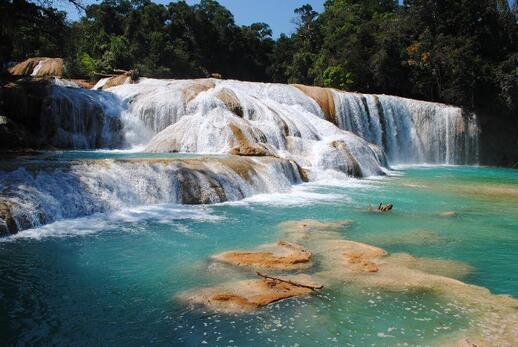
(103, 222)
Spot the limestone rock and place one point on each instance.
(246, 295)
(281, 256)
(323, 97)
(38, 67)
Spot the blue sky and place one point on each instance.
(277, 13)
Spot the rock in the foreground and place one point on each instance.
(281, 256)
(247, 295)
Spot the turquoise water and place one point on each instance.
(112, 279)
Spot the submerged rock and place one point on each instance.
(307, 229)
(343, 262)
(448, 214)
(466, 343)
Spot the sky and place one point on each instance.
(277, 13)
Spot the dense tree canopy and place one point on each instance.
(462, 52)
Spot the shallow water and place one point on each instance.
(112, 278)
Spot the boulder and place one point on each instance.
(323, 97)
(38, 67)
(229, 98)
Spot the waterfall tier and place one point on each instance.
(295, 121)
(35, 195)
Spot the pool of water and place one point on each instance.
(112, 279)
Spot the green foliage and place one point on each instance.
(337, 77)
(462, 52)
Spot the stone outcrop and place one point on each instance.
(246, 295)
(37, 114)
(323, 97)
(191, 91)
(245, 148)
(21, 107)
(38, 67)
(229, 98)
(280, 256)
(7, 222)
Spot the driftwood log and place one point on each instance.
(385, 208)
(296, 284)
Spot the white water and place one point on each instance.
(410, 131)
(40, 195)
(292, 124)
(278, 118)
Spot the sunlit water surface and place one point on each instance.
(112, 279)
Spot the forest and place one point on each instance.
(460, 52)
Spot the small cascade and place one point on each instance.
(75, 118)
(39, 194)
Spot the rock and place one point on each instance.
(38, 67)
(358, 262)
(7, 222)
(192, 90)
(245, 148)
(353, 169)
(280, 256)
(246, 295)
(465, 343)
(306, 229)
(229, 98)
(448, 214)
(249, 151)
(407, 237)
(323, 97)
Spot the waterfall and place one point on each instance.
(287, 120)
(291, 121)
(278, 135)
(75, 118)
(222, 117)
(410, 131)
(42, 193)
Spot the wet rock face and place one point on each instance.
(21, 106)
(323, 97)
(7, 222)
(229, 98)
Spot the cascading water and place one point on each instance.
(40, 193)
(309, 130)
(75, 118)
(410, 131)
